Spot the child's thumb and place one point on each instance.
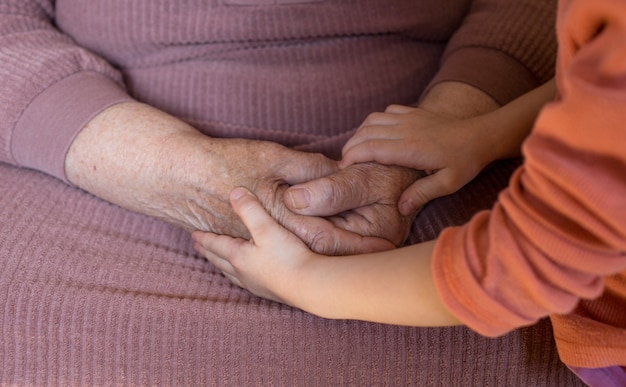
(252, 214)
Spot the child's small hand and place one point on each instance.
(268, 264)
(391, 288)
(451, 151)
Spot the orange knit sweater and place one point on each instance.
(555, 243)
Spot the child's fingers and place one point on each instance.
(399, 109)
(219, 249)
(222, 246)
(388, 117)
(380, 119)
(371, 133)
(386, 152)
(220, 263)
(424, 190)
(257, 220)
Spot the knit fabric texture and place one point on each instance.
(96, 295)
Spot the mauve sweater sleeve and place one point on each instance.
(559, 229)
(503, 47)
(49, 87)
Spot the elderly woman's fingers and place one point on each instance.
(330, 195)
(354, 187)
(305, 166)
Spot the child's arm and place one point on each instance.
(452, 151)
(394, 287)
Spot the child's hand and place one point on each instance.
(387, 287)
(451, 151)
(268, 264)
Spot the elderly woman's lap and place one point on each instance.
(94, 294)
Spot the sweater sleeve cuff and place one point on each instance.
(461, 292)
(494, 72)
(48, 126)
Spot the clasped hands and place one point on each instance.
(366, 205)
(352, 210)
(145, 160)
(396, 162)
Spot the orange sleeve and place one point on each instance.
(560, 227)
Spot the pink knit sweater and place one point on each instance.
(303, 74)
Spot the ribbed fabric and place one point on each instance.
(301, 74)
(91, 294)
(87, 89)
(472, 50)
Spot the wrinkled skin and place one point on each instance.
(261, 168)
(147, 161)
(362, 198)
(374, 226)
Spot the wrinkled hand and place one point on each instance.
(361, 198)
(147, 161)
(261, 167)
(328, 236)
(258, 166)
(451, 151)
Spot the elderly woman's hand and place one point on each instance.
(150, 162)
(362, 198)
(145, 160)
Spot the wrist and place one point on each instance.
(309, 292)
(508, 126)
(458, 100)
(124, 133)
(144, 160)
(392, 287)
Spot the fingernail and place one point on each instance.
(406, 208)
(300, 198)
(238, 193)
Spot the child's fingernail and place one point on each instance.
(238, 193)
(406, 208)
(300, 198)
